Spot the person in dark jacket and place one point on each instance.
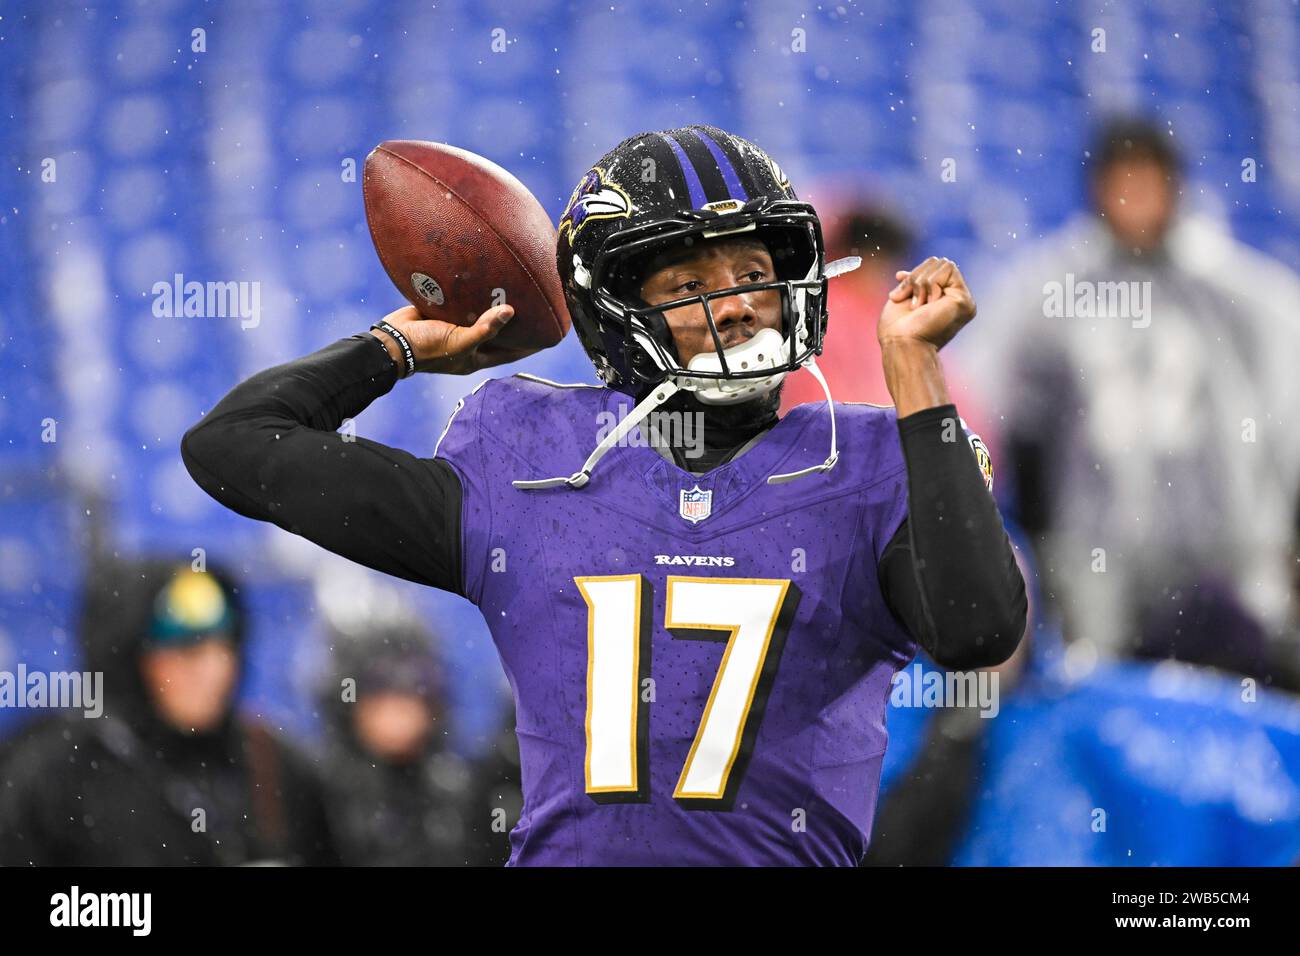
(169, 774)
(397, 795)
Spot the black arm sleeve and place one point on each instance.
(949, 573)
(269, 450)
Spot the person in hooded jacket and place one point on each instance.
(397, 795)
(170, 774)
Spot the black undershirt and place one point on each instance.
(269, 450)
(730, 428)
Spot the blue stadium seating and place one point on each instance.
(229, 164)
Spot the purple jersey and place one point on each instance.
(700, 663)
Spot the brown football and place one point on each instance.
(458, 234)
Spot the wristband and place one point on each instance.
(402, 343)
(380, 344)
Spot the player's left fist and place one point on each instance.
(931, 304)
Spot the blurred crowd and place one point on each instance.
(172, 773)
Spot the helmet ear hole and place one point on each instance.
(581, 276)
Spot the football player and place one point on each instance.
(700, 640)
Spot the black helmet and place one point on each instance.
(657, 190)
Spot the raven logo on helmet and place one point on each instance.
(594, 198)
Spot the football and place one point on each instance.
(457, 235)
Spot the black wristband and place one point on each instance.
(402, 343)
(379, 344)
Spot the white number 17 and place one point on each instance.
(751, 615)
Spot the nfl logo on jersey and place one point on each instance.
(696, 504)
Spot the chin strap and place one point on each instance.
(829, 463)
(660, 394)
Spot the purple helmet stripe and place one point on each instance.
(692, 177)
(728, 171)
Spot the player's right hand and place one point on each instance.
(449, 348)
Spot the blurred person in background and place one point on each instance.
(851, 361)
(397, 794)
(500, 791)
(170, 774)
(1142, 369)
